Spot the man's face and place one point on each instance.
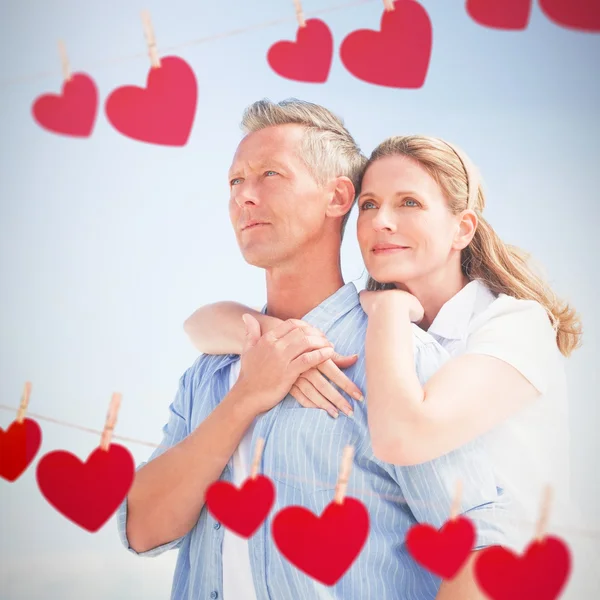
(276, 206)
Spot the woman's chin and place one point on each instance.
(386, 276)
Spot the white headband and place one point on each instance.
(472, 173)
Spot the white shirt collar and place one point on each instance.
(452, 322)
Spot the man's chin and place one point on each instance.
(259, 259)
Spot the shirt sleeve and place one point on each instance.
(429, 488)
(175, 430)
(519, 333)
(429, 354)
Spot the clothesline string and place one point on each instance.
(165, 50)
(392, 498)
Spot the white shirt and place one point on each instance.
(237, 572)
(530, 449)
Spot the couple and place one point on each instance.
(455, 345)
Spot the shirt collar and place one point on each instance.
(452, 322)
(332, 308)
(322, 317)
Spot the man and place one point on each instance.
(292, 182)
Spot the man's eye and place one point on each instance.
(268, 173)
(235, 180)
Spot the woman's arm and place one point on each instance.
(410, 423)
(218, 328)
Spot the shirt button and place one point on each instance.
(214, 595)
(217, 526)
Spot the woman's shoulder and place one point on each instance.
(515, 316)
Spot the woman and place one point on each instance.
(434, 260)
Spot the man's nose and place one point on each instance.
(246, 196)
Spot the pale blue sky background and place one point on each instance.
(107, 244)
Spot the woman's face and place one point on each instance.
(405, 229)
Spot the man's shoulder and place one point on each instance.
(205, 367)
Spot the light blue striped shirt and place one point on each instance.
(302, 453)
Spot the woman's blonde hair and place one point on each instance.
(501, 267)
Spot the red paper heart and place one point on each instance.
(575, 14)
(308, 58)
(73, 112)
(18, 446)
(540, 573)
(162, 112)
(322, 547)
(87, 493)
(500, 14)
(445, 551)
(398, 55)
(241, 510)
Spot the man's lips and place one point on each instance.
(253, 225)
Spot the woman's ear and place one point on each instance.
(467, 225)
(341, 197)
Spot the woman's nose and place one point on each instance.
(383, 221)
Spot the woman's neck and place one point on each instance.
(434, 290)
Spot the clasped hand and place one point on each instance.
(295, 358)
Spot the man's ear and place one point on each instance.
(467, 225)
(341, 197)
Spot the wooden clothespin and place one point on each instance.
(299, 14)
(389, 5)
(24, 402)
(260, 444)
(64, 61)
(455, 509)
(150, 39)
(344, 476)
(542, 523)
(111, 419)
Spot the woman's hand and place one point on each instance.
(313, 388)
(271, 363)
(373, 302)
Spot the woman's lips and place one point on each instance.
(389, 250)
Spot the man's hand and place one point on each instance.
(271, 363)
(314, 389)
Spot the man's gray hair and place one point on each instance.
(328, 149)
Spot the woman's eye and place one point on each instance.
(367, 204)
(411, 202)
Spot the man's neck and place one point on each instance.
(294, 291)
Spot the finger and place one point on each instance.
(311, 359)
(333, 373)
(297, 342)
(299, 395)
(343, 362)
(281, 330)
(252, 331)
(326, 391)
(307, 327)
(312, 394)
